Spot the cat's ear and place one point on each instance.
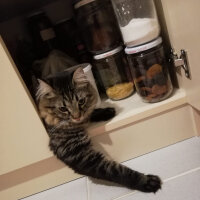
(79, 76)
(44, 90)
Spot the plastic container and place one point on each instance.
(98, 25)
(137, 20)
(112, 69)
(149, 68)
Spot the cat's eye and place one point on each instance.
(63, 109)
(81, 101)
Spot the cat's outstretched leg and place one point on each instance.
(101, 168)
(76, 151)
(102, 114)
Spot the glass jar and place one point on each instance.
(98, 25)
(113, 71)
(149, 69)
(137, 20)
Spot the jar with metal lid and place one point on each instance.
(98, 25)
(113, 71)
(137, 20)
(150, 71)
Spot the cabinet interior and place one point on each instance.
(13, 24)
(13, 27)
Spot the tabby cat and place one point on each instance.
(66, 103)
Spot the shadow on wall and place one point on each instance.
(30, 172)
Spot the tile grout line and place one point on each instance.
(126, 195)
(179, 142)
(182, 174)
(165, 181)
(88, 188)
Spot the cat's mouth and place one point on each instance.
(77, 120)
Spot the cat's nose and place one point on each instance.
(76, 115)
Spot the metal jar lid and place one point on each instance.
(144, 47)
(107, 54)
(82, 3)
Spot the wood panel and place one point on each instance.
(182, 20)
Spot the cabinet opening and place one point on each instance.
(58, 30)
(18, 30)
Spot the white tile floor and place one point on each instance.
(75, 190)
(178, 166)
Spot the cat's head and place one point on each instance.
(66, 97)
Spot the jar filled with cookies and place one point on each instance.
(150, 71)
(112, 71)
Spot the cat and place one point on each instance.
(66, 103)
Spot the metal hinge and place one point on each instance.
(181, 61)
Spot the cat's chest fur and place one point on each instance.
(47, 115)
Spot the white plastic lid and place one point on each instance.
(109, 53)
(144, 47)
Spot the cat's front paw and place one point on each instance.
(109, 113)
(102, 114)
(152, 184)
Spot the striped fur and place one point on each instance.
(69, 140)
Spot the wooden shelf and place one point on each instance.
(132, 110)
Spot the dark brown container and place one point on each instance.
(70, 41)
(98, 25)
(42, 33)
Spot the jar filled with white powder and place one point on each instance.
(137, 20)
